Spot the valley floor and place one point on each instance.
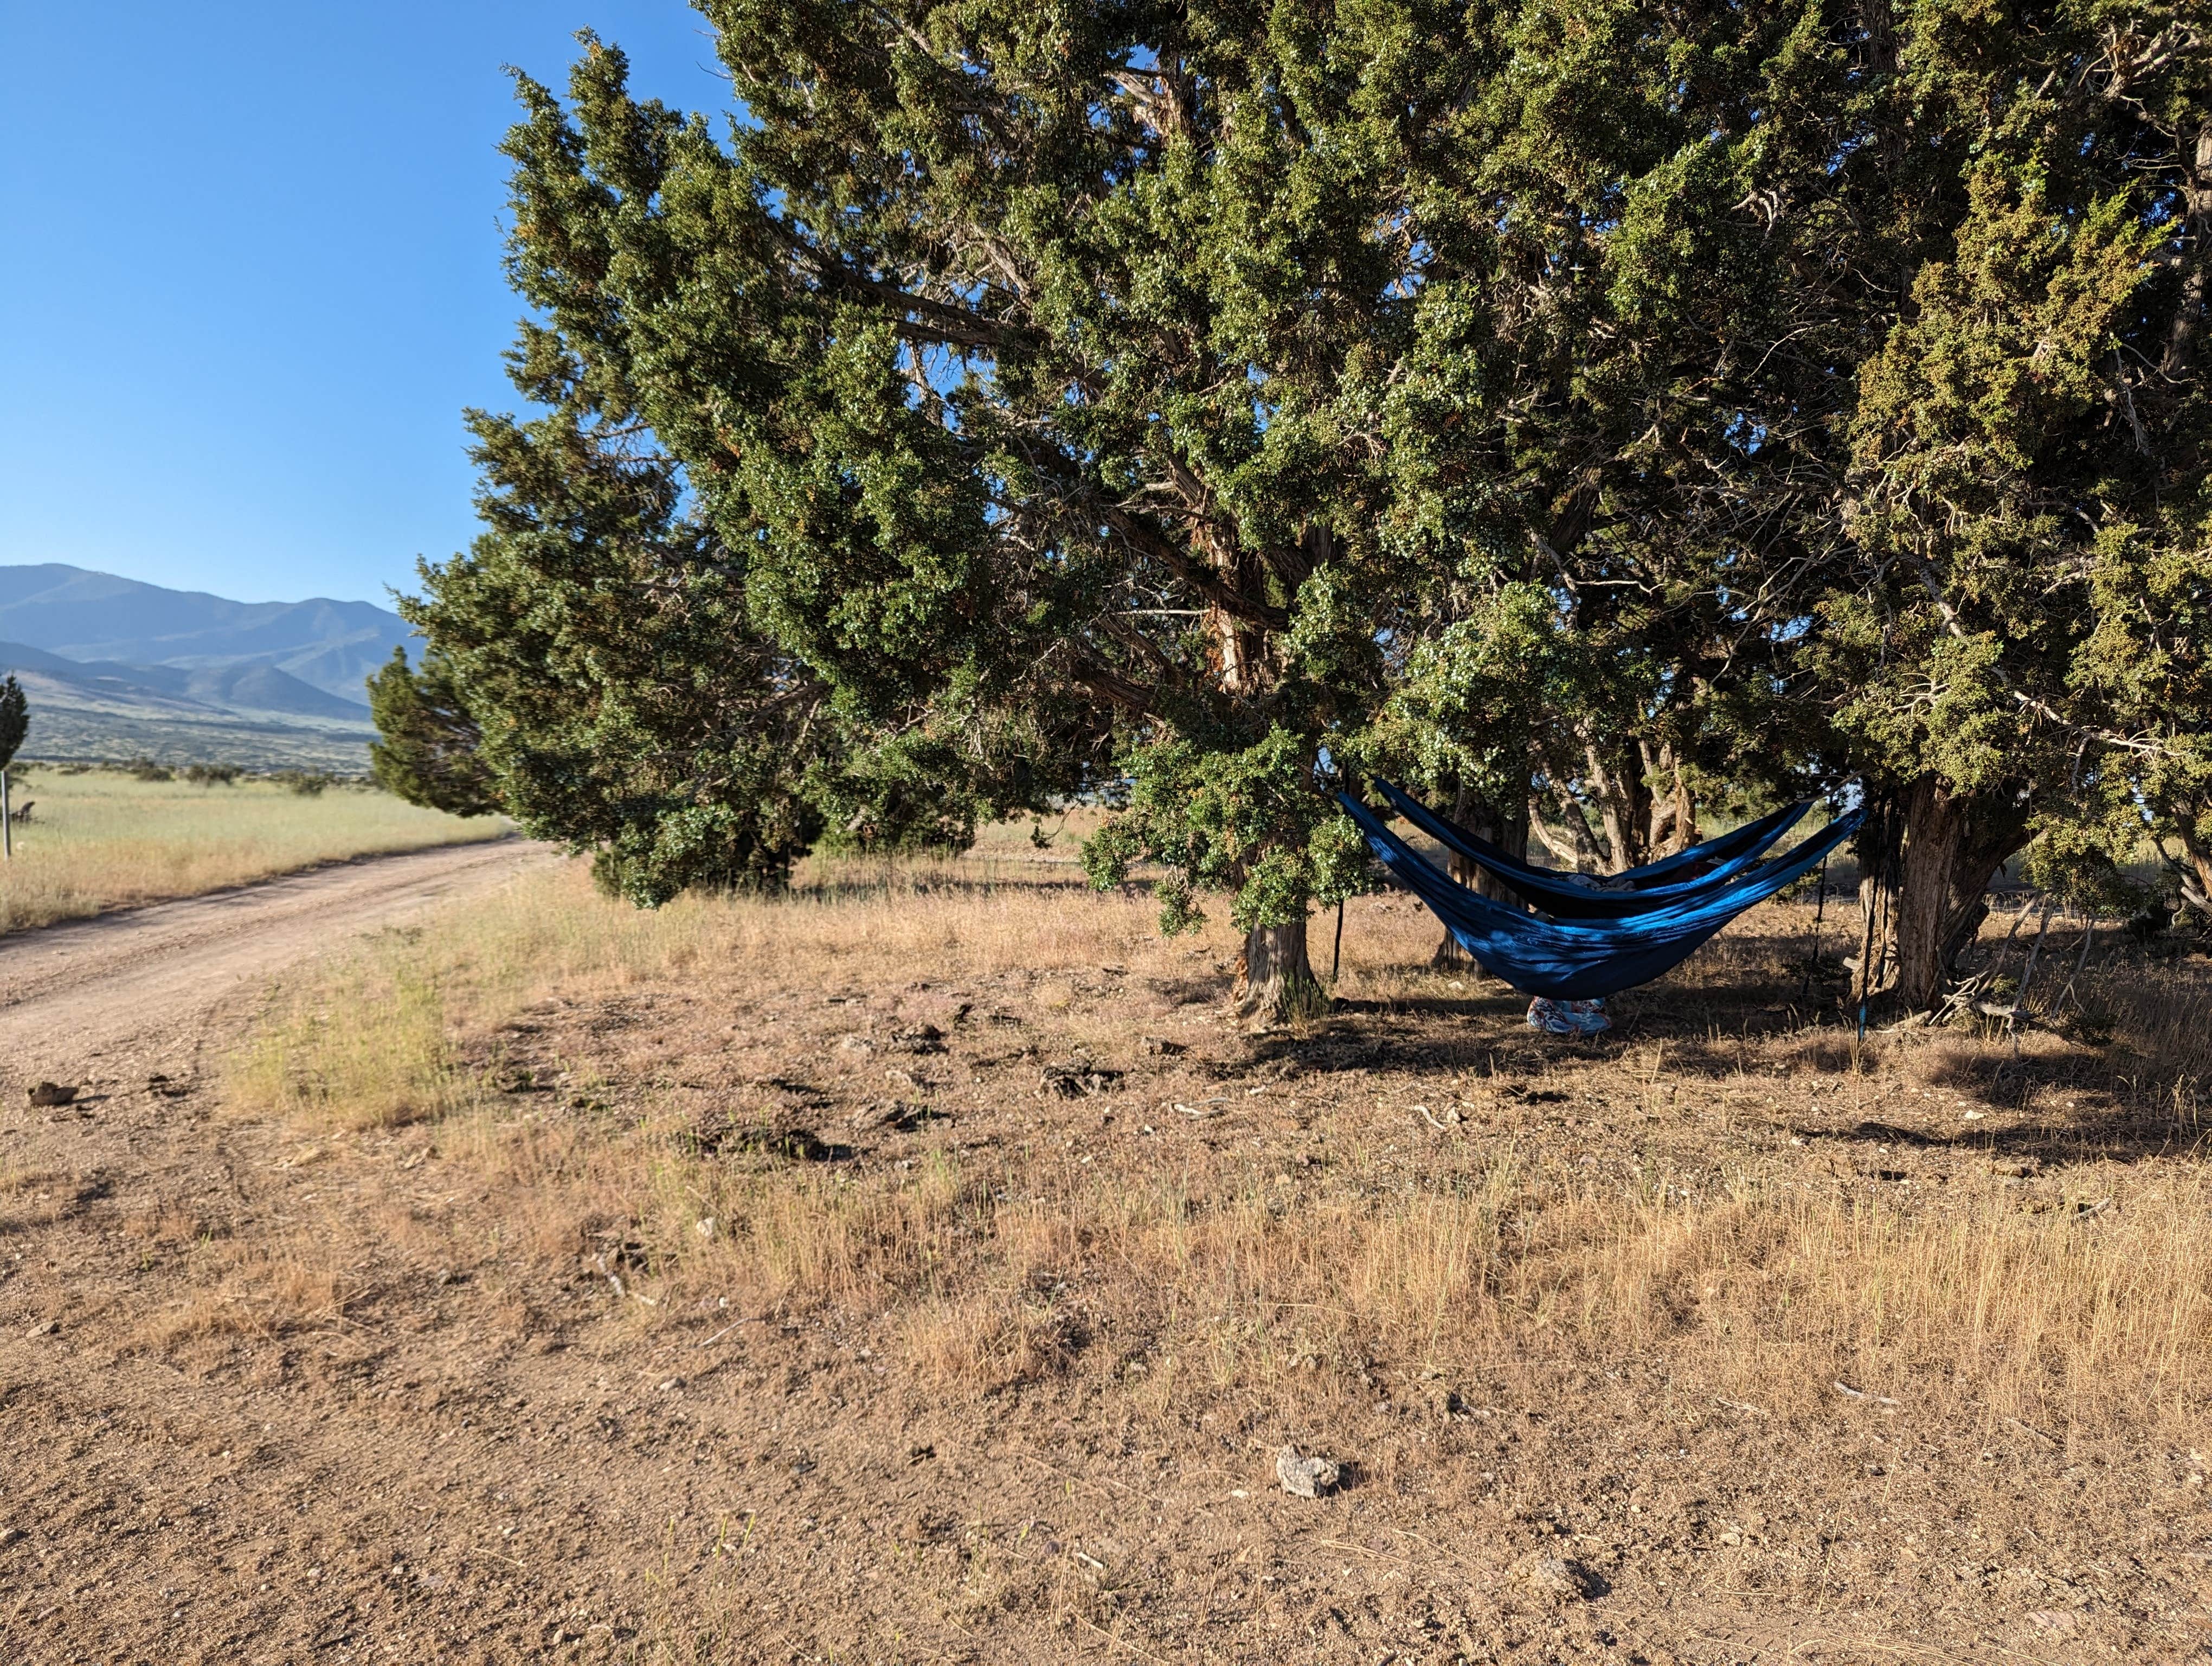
(97, 840)
(922, 1269)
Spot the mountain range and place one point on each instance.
(115, 667)
(99, 617)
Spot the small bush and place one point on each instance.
(308, 783)
(145, 769)
(212, 775)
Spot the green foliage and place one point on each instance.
(1242, 821)
(1619, 409)
(2026, 448)
(212, 775)
(308, 783)
(15, 719)
(1471, 697)
(596, 640)
(2078, 864)
(429, 750)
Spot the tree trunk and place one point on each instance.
(2197, 875)
(1508, 829)
(1274, 981)
(1239, 646)
(7, 820)
(2189, 317)
(1927, 857)
(1572, 846)
(1673, 826)
(1624, 806)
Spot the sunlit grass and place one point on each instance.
(101, 840)
(1216, 1267)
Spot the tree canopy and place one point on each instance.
(15, 719)
(1601, 415)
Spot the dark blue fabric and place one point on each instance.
(1578, 961)
(1752, 835)
(1560, 895)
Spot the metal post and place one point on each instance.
(1820, 907)
(1866, 952)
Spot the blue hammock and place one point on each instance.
(1577, 961)
(1573, 897)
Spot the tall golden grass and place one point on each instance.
(101, 840)
(1192, 1272)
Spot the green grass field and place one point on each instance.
(100, 839)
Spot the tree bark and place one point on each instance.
(1239, 645)
(1572, 846)
(1274, 981)
(1624, 806)
(1673, 825)
(1942, 850)
(2189, 316)
(1642, 822)
(2197, 876)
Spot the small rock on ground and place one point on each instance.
(1568, 1581)
(1306, 1477)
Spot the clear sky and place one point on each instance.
(250, 274)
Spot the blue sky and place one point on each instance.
(252, 275)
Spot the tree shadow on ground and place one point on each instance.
(841, 888)
(2118, 1135)
(1749, 1027)
(1412, 1034)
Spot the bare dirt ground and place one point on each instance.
(473, 1389)
(140, 983)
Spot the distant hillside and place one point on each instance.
(255, 715)
(74, 733)
(219, 690)
(96, 618)
(118, 669)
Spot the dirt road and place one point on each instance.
(116, 1213)
(144, 980)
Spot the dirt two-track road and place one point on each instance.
(131, 1528)
(144, 982)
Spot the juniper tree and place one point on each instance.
(1193, 365)
(1933, 274)
(592, 669)
(429, 748)
(593, 672)
(1649, 418)
(15, 725)
(956, 343)
(2024, 479)
(1602, 404)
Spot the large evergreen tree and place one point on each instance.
(1590, 413)
(1887, 406)
(1217, 367)
(429, 748)
(2020, 479)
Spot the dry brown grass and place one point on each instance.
(261, 1291)
(1350, 1236)
(101, 840)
